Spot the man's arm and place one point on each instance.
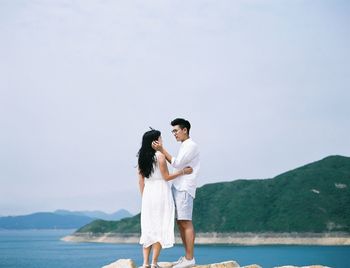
(184, 157)
(156, 145)
(182, 160)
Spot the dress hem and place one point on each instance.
(163, 245)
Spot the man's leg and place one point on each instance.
(184, 209)
(188, 236)
(182, 232)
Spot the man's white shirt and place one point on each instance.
(188, 156)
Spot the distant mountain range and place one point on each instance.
(60, 219)
(120, 214)
(314, 198)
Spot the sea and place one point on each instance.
(44, 249)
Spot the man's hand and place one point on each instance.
(187, 170)
(156, 145)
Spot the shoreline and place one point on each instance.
(247, 239)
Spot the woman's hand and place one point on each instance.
(187, 170)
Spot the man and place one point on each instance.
(184, 187)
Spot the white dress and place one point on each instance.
(157, 211)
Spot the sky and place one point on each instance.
(265, 85)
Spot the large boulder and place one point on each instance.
(226, 264)
(310, 266)
(121, 263)
(128, 263)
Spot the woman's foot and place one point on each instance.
(155, 265)
(145, 266)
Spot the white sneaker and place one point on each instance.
(178, 261)
(184, 263)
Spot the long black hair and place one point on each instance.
(146, 154)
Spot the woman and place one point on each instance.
(157, 210)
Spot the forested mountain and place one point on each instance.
(311, 198)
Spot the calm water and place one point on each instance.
(43, 249)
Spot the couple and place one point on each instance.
(165, 194)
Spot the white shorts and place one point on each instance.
(183, 205)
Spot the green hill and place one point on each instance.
(312, 198)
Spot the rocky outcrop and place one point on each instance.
(121, 263)
(227, 264)
(128, 263)
(312, 266)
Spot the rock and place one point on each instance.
(227, 264)
(311, 266)
(128, 263)
(288, 266)
(202, 266)
(121, 263)
(165, 264)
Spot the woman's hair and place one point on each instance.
(146, 154)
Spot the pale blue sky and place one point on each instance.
(265, 84)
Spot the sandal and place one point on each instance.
(145, 266)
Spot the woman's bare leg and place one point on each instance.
(146, 252)
(156, 248)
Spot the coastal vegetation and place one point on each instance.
(314, 198)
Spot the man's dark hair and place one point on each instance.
(182, 123)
